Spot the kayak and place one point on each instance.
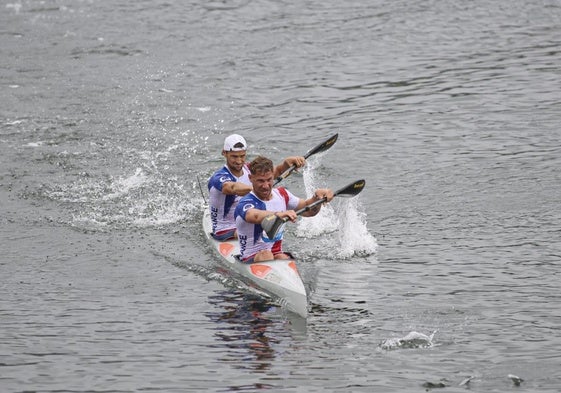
(278, 279)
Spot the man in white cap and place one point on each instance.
(231, 182)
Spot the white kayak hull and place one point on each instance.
(279, 279)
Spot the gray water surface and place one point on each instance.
(443, 274)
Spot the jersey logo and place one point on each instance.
(247, 207)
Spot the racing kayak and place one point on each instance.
(278, 279)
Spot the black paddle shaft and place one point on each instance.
(325, 145)
(272, 223)
(348, 191)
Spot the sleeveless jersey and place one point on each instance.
(250, 235)
(222, 206)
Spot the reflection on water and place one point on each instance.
(251, 328)
(242, 326)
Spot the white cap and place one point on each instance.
(235, 142)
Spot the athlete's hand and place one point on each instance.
(297, 161)
(324, 193)
(289, 214)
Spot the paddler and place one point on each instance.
(264, 201)
(229, 183)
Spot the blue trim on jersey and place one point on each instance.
(241, 210)
(217, 181)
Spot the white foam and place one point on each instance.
(411, 340)
(15, 6)
(160, 211)
(342, 216)
(354, 238)
(123, 186)
(35, 144)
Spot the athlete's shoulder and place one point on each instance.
(222, 171)
(222, 175)
(248, 198)
(248, 201)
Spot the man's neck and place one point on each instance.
(266, 197)
(234, 172)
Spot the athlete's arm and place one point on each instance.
(297, 161)
(235, 188)
(319, 194)
(255, 216)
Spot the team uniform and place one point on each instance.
(250, 235)
(222, 206)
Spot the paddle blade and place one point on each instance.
(352, 189)
(348, 191)
(325, 145)
(273, 227)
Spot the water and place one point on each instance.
(443, 272)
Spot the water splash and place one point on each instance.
(35, 144)
(15, 6)
(123, 185)
(343, 217)
(148, 188)
(143, 199)
(354, 238)
(411, 340)
(323, 223)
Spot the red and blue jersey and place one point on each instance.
(250, 235)
(221, 205)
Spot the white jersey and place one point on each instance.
(221, 205)
(250, 235)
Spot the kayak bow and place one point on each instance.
(278, 279)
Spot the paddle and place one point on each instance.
(273, 224)
(318, 149)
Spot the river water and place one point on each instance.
(442, 274)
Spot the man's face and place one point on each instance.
(262, 184)
(235, 159)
